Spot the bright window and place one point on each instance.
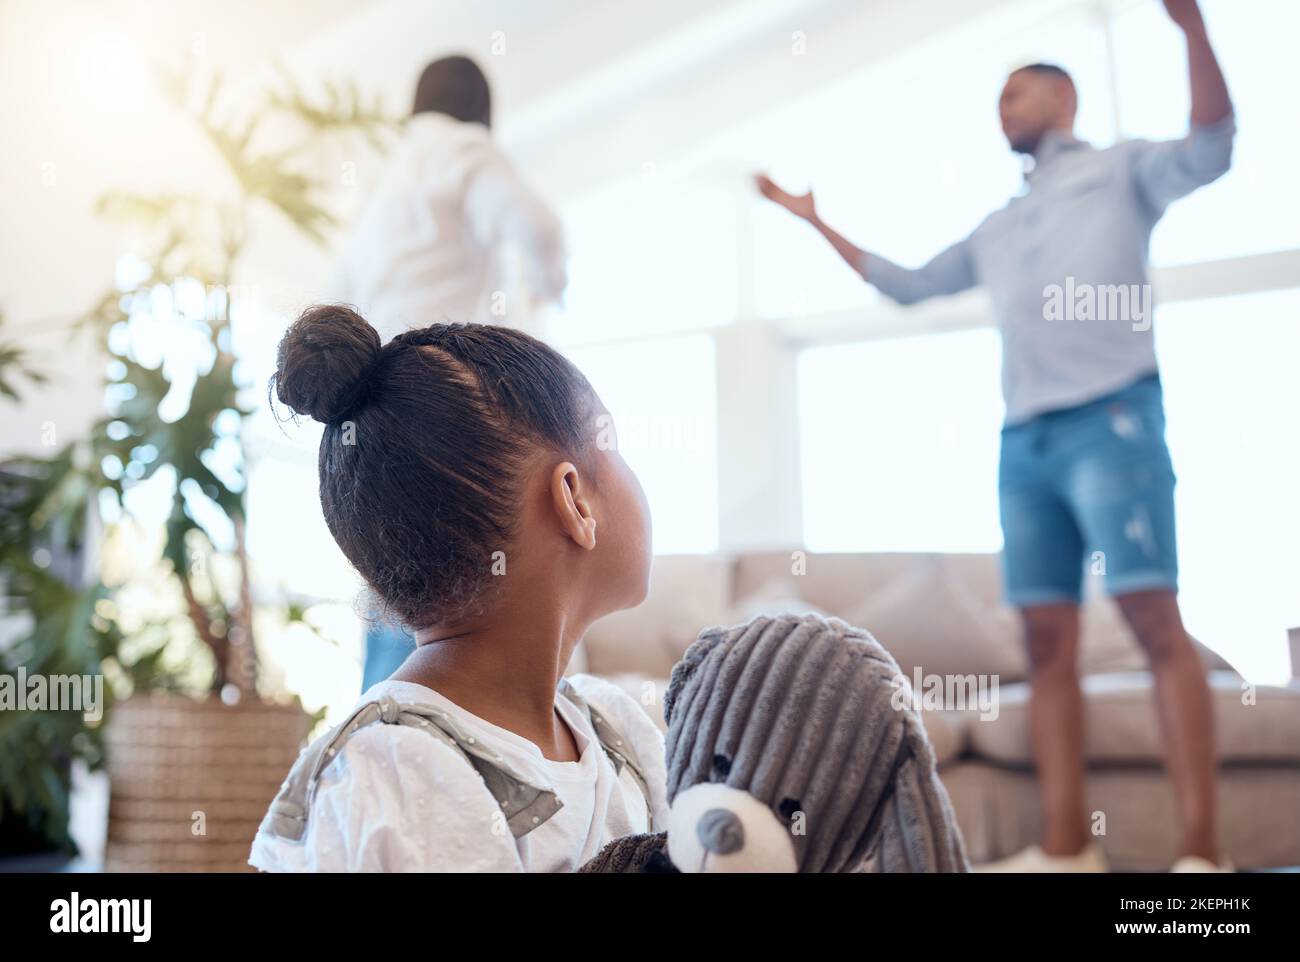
(284, 496)
(662, 394)
(652, 254)
(1255, 207)
(1233, 408)
(900, 444)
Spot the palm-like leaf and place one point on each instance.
(45, 502)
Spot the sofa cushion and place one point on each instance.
(941, 611)
(929, 619)
(1121, 724)
(947, 731)
(834, 583)
(1107, 644)
(646, 691)
(779, 596)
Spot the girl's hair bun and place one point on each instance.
(325, 363)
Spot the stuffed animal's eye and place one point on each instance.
(721, 766)
(789, 807)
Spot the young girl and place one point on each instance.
(463, 473)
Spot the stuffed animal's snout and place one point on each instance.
(715, 828)
(721, 832)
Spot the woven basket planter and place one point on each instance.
(171, 758)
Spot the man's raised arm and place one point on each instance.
(1210, 100)
(947, 273)
(1171, 169)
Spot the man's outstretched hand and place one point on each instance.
(1185, 13)
(800, 205)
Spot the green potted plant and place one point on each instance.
(52, 629)
(195, 748)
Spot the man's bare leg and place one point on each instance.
(1056, 724)
(1186, 713)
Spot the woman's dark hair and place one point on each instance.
(1047, 70)
(424, 442)
(457, 87)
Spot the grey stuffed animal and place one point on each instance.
(789, 749)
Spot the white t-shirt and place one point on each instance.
(446, 219)
(397, 799)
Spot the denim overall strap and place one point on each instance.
(525, 806)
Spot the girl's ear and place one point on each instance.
(572, 508)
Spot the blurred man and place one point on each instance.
(1085, 475)
(447, 219)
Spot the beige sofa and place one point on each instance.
(943, 615)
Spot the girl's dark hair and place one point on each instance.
(457, 87)
(425, 438)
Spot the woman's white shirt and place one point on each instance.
(433, 240)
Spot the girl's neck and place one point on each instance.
(503, 668)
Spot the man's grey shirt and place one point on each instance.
(1082, 225)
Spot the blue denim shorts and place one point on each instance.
(387, 646)
(1089, 490)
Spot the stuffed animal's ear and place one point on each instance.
(708, 639)
(919, 830)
